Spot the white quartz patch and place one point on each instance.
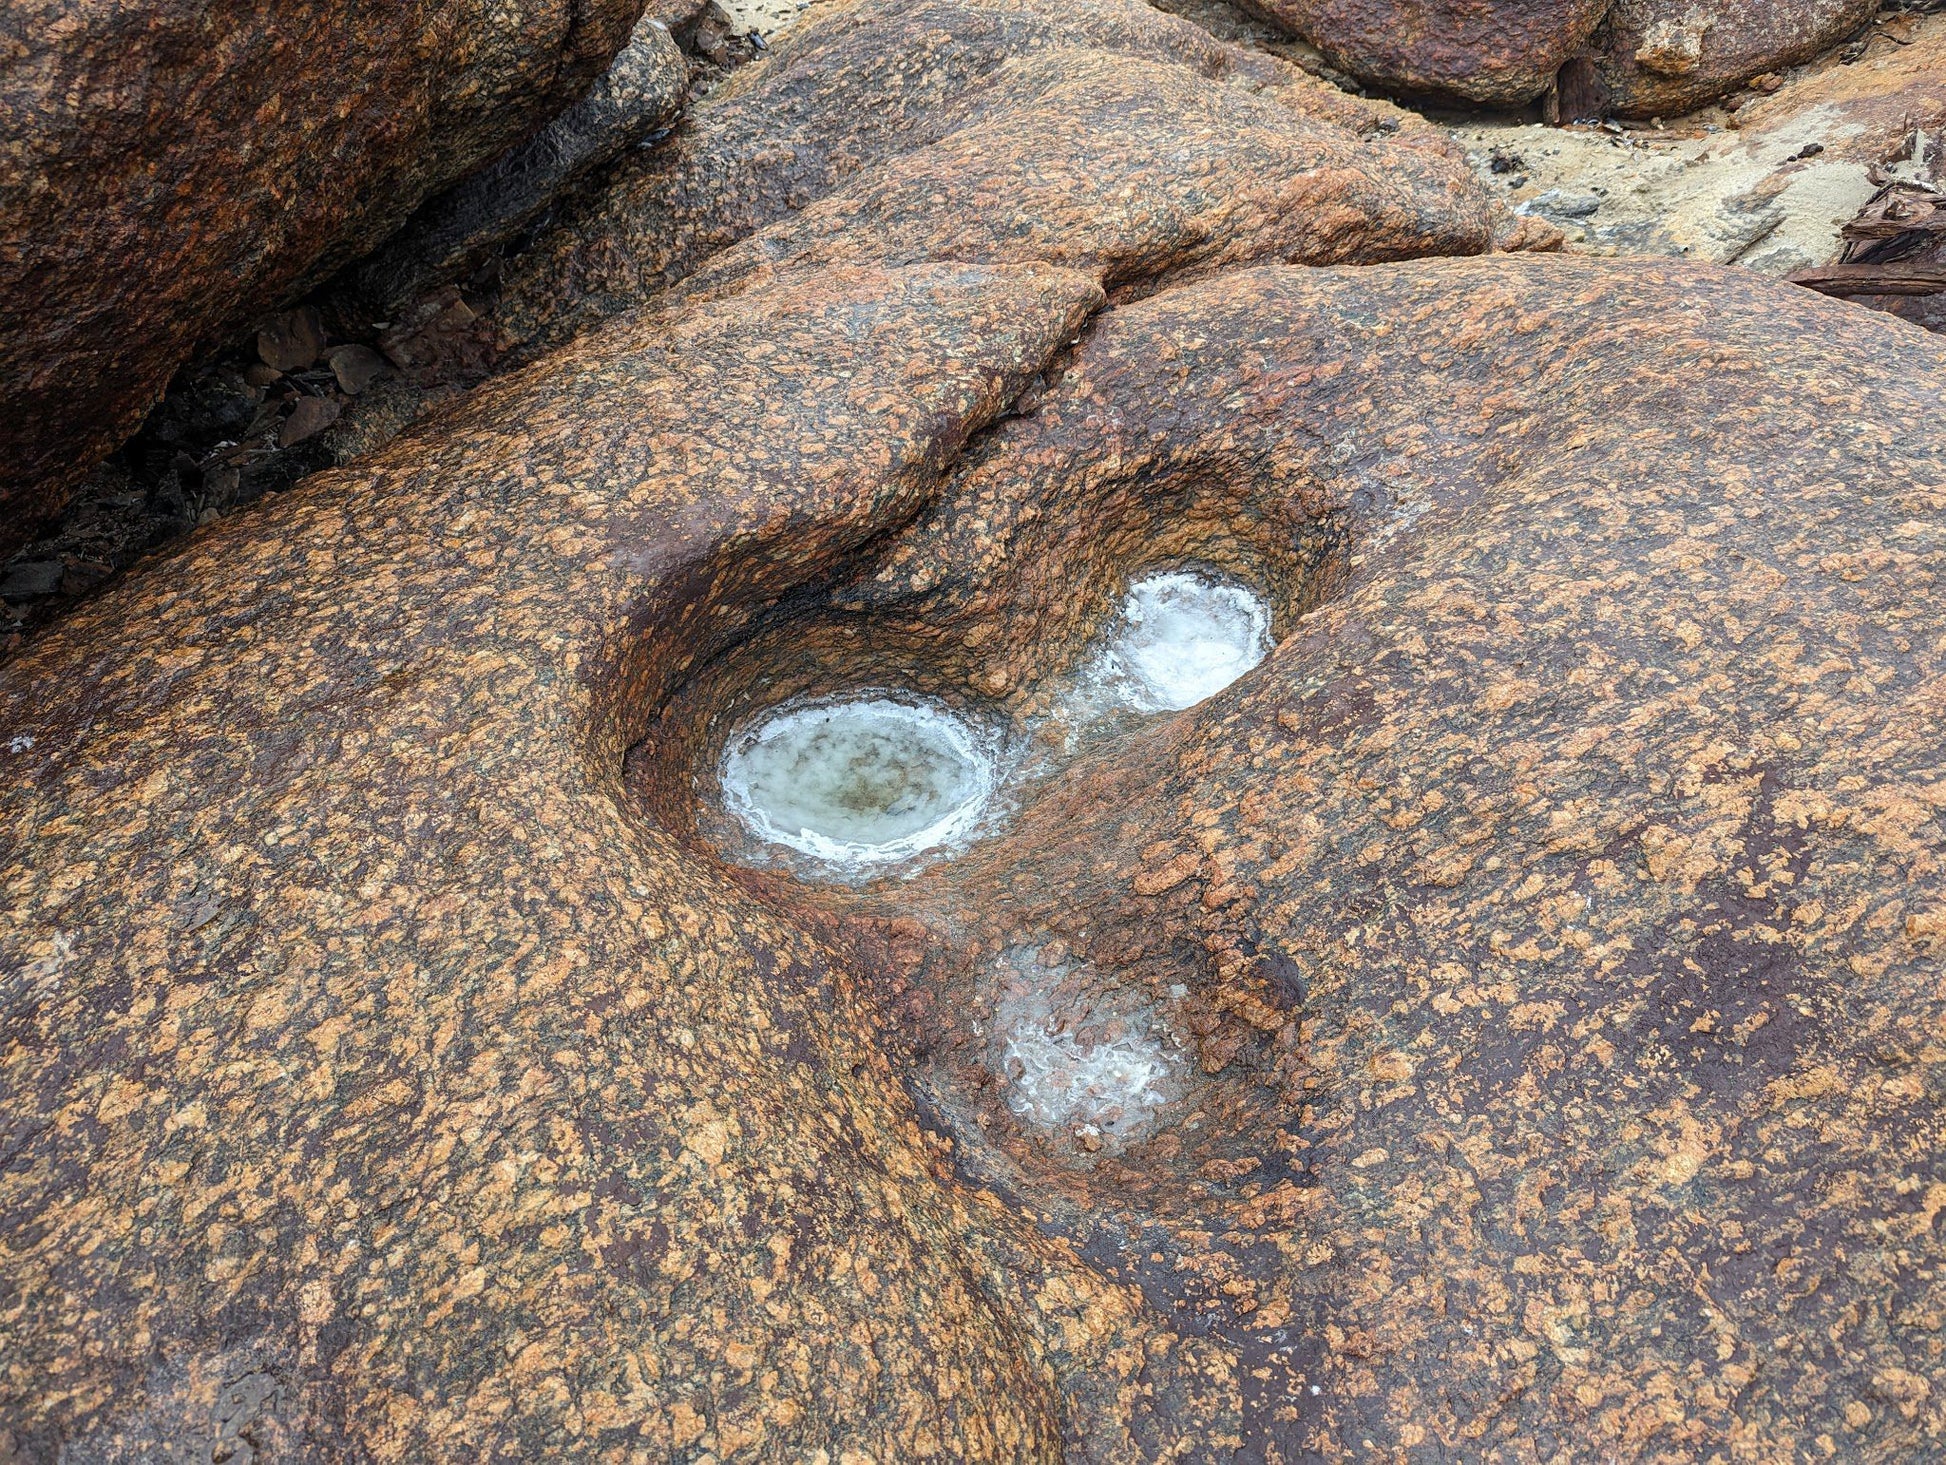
(864, 782)
(1184, 636)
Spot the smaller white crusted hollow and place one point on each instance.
(862, 782)
(1071, 1061)
(1184, 636)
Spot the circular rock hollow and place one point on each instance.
(1184, 635)
(1077, 1060)
(861, 782)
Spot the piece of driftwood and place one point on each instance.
(1893, 247)
(1899, 277)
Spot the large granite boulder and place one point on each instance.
(1501, 53)
(401, 1062)
(201, 1327)
(1661, 58)
(984, 129)
(447, 235)
(170, 171)
(409, 1138)
(1550, 925)
(1632, 58)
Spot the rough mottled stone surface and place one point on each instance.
(1502, 53)
(1554, 919)
(1132, 167)
(168, 171)
(1665, 57)
(520, 1133)
(1874, 104)
(1007, 108)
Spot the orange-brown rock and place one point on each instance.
(1565, 897)
(1004, 130)
(1502, 53)
(444, 1174)
(1554, 919)
(391, 1071)
(1866, 112)
(450, 234)
(1661, 58)
(169, 171)
(393, 1066)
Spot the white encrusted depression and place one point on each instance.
(860, 782)
(1184, 635)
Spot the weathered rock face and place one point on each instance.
(783, 379)
(509, 1137)
(1546, 936)
(1552, 921)
(169, 171)
(1665, 57)
(1502, 53)
(1555, 920)
(1632, 58)
(1864, 113)
(991, 129)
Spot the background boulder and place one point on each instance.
(1501, 53)
(1668, 57)
(170, 171)
(1661, 58)
(860, 97)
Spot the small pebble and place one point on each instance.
(311, 416)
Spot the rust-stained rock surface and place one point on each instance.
(168, 171)
(1551, 926)
(1502, 53)
(1556, 919)
(522, 1133)
(643, 89)
(403, 1057)
(1661, 58)
(1865, 112)
(985, 129)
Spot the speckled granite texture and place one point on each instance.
(418, 1073)
(1642, 58)
(1005, 130)
(642, 90)
(1502, 53)
(1661, 58)
(170, 170)
(1557, 913)
(1549, 931)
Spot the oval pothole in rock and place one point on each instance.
(860, 783)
